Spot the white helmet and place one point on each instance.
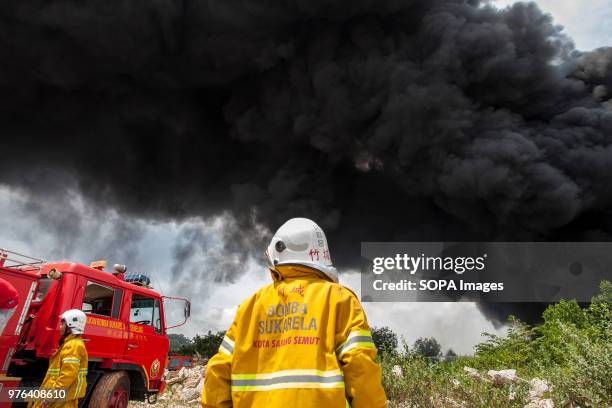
(301, 241)
(75, 319)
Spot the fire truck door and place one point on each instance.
(105, 334)
(147, 345)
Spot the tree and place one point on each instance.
(450, 355)
(177, 341)
(208, 345)
(201, 346)
(185, 350)
(428, 347)
(385, 340)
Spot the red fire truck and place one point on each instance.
(125, 333)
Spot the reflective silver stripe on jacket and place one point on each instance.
(287, 379)
(358, 338)
(227, 346)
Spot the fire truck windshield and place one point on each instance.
(145, 310)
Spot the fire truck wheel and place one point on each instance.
(112, 391)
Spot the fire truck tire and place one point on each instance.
(112, 391)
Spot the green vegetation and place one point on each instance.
(572, 350)
(385, 340)
(177, 341)
(428, 347)
(204, 346)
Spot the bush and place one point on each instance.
(585, 378)
(201, 346)
(385, 341)
(514, 350)
(572, 349)
(427, 383)
(428, 347)
(177, 341)
(208, 345)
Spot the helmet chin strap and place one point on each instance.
(276, 275)
(64, 333)
(270, 262)
(66, 330)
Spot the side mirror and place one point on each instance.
(187, 309)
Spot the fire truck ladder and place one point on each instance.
(15, 260)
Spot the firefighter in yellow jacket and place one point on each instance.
(68, 365)
(302, 341)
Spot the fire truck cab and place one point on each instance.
(125, 334)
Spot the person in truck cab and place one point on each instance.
(68, 365)
(302, 341)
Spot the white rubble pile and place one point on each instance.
(538, 403)
(502, 377)
(537, 386)
(537, 389)
(472, 372)
(183, 389)
(397, 371)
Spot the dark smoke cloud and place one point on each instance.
(208, 255)
(216, 251)
(59, 224)
(393, 120)
(595, 68)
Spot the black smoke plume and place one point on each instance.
(382, 120)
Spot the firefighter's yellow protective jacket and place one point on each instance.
(67, 370)
(301, 342)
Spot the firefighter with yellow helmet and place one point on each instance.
(301, 341)
(68, 365)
